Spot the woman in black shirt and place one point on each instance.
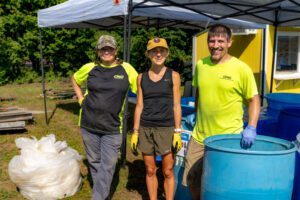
(157, 118)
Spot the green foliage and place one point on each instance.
(66, 50)
(28, 75)
(179, 41)
(19, 37)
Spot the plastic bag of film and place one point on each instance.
(46, 169)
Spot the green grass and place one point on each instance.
(7, 195)
(129, 180)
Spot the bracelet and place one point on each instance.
(177, 130)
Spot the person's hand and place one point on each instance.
(134, 142)
(191, 119)
(176, 142)
(80, 101)
(248, 137)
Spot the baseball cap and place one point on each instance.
(106, 41)
(157, 42)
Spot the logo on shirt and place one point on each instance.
(166, 79)
(118, 76)
(226, 77)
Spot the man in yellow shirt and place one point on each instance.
(224, 85)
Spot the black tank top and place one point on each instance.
(158, 101)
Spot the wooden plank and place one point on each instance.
(14, 113)
(12, 125)
(5, 109)
(16, 118)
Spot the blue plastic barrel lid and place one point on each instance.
(262, 145)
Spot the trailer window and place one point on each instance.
(288, 54)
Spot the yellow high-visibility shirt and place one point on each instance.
(223, 89)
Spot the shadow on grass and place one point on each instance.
(11, 132)
(137, 180)
(52, 114)
(71, 107)
(89, 177)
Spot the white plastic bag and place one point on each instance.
(46, 169)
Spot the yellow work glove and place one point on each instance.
(134, 142)
(176, 142)
(80, 101)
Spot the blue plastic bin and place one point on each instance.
(264, 172)
(186, 106)
(279, 101)
(288, 128)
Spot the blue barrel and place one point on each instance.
(267, 127)
(181, 191)
(289, 123)
(296, 191)
(278, 101)
(288, 128)
(264, 172)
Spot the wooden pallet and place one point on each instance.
(13, 118)
(19, 125)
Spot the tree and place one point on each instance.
(65, 50)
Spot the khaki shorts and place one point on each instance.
(193, 165)
(155, 140)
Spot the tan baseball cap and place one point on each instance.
(106, 41)
(157, 42)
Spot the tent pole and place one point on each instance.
(273, 59)
(43, 77)
(274, 50)
(129, 30)
(157, 27)
(262, 88)
(124, 130)
(125, 38)
(127, 27)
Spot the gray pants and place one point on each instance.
(102, 155)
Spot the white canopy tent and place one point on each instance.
(274, 12)
(107, 14)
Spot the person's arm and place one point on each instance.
(249, 133)
(177, 144)
(137, 116)
(77, 90)
(253, 110)
(139, 105)
(176, 100)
